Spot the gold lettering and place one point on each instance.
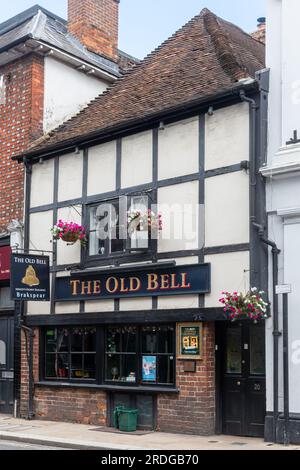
(115, 285)
(185, 284)
(137, 286)
(165, 281)
(152, 282)
(173, 282)
(123, 289)
(74, 285)
(97, 287)
(86, 288)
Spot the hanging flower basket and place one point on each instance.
(69, 232)
(240, 306)
(138, 221)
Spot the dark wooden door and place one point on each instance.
(6, 364)
(242, 382)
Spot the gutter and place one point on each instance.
(134, 125)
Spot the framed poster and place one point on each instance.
(149, 369)
(189, 340)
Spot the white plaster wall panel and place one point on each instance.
(67, 91)
(229, 272)
(102, 168)
(93, 306)
(136, 159)
(187, 260)
(42, 183)
(140, 303)
(70, 176)
(67, 253)
(283, 193)
(178, 301)
(67, 307)
(227, 136)
(227, 209)
(178, 149)
(292, 276)
(178, 205)
(40, 231)
(39, 308)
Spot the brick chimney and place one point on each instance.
(260, 33)
(96, 24)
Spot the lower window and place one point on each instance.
(125, 355)
(70, 353)
(140, 355)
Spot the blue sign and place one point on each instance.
(149, 369)
(188, 279)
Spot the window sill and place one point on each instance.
(111, 388)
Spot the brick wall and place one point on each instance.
(96, 24)
(21, 120)
(193, 410)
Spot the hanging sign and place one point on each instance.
(188, 279)
(5, 252)
(30, 278)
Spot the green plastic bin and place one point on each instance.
(127, 419)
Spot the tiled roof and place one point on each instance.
(206, 56)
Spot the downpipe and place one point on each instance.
(275, 253)
(29, 355)
(276, 333)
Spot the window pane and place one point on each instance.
(96, 243)
(166, 339)
(83, 366)
(5, 300)
(128, 339)
(57, 366)
(128, 368)
(77, 339)
(89, 361)
(257, 350)
(139, 238)
(149, 340)
(57, 339)
(113, 367)
(89, 339)
(113, 340)
(165, 369)
(234, 351)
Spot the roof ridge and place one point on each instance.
(224, 51)
(26, 15)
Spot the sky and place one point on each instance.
(144, 24)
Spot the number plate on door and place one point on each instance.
(7, 375)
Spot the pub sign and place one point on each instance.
(180, 280)
(30, 278)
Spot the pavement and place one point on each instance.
(13, 446)
(85, 437)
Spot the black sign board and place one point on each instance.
(189, 279)
(30, 278)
